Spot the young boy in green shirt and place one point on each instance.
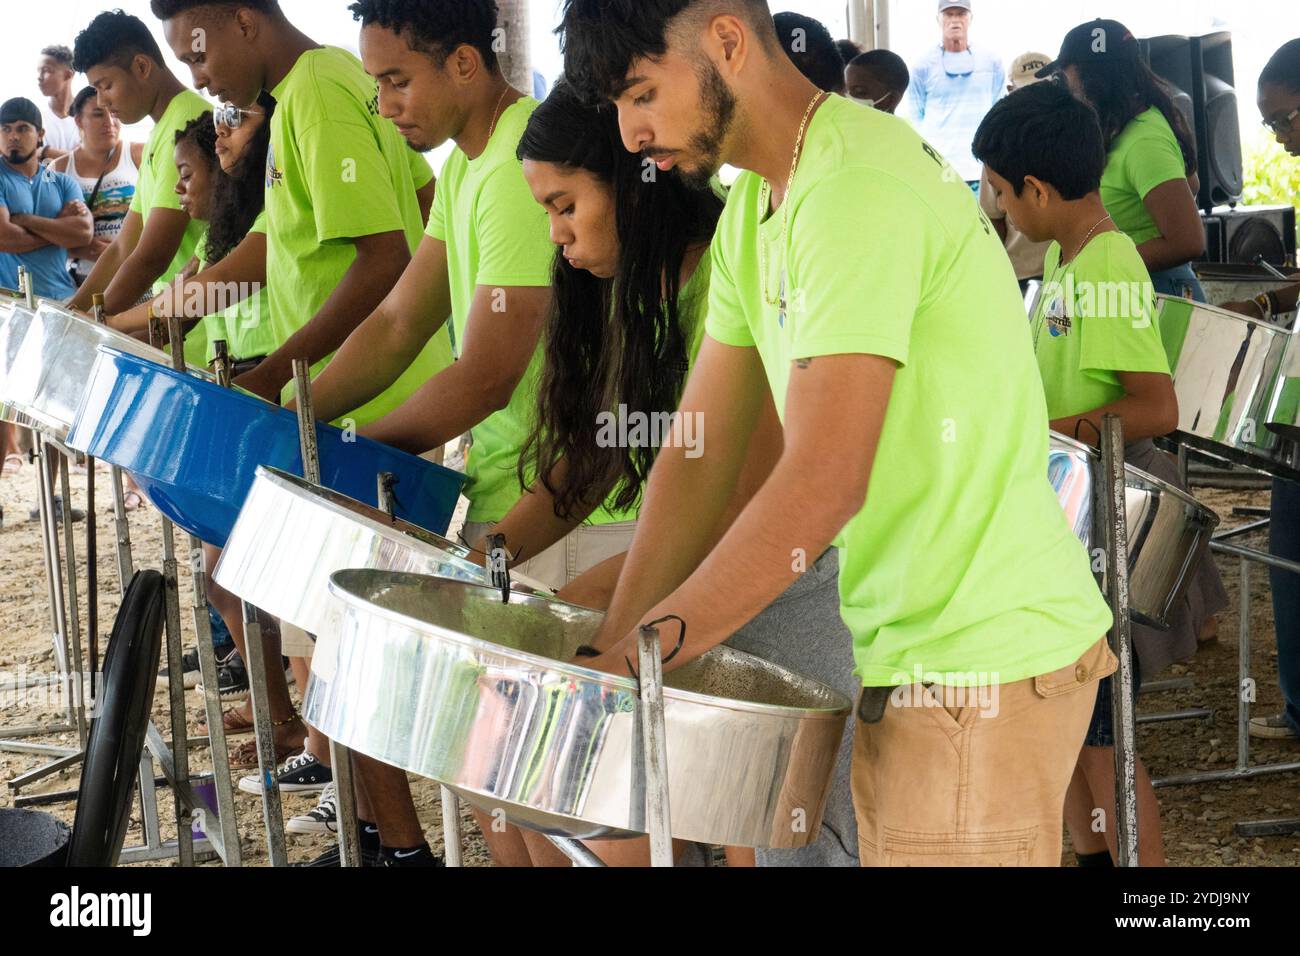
(1099, 351)
(856, 280)
(122, 61)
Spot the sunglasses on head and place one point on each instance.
(232, 116)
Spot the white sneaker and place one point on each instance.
(323, 818)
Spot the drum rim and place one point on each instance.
(1159, 483)
(1226, 314)
(339, 589)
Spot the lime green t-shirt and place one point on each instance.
(244, 324)
(496, 235)
(1144, 155)
(336, 170)
(156, 186)
(960, 568)
(1095, 318)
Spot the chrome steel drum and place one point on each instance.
(49, 372)
(14, 321)
(1168, 530)
(292, 535)
(442, 678)
(1235, 399)
(194, 447)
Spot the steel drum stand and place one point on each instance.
(1115, 517)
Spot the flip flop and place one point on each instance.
(234, 723)
(244, 757)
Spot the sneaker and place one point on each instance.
(323, 818)
(369, 857)
(232, 679)
(77, 514)
(190, 667)
(420, 856)
(1272, 727)
(302, 773)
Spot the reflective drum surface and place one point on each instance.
(292, 535)
(442, 678)
(15, 319)
(53, 362)
(194, 449)
(1236, 380)
(1168, 530)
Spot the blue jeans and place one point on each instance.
(222, 642)
(1284, 542)
(1180, 281)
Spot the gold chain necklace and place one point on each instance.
(1061, 269)
(493, 128)
(765, 202)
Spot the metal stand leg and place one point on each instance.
(125, 566)
(176, 697)
(450, 826)
(654, 743)
(75, 662)
(1115, 516)
(272, 810)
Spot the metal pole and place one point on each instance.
(92, 540)
(655, 745)
(1243, 668)
(272, 812)
(340, 756)
(125, 564)
(575, 851)
(1116, 521)
(75, 662)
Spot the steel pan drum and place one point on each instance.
(1236, 385)
(1168, 530)
(194, 448)
(14, 322)
(53, 363)
(338, 533)
(442, 678)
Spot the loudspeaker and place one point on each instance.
(1244, 233)
(1200, 71)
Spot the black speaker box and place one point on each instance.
(1244, 233)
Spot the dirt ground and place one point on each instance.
(1197, 820)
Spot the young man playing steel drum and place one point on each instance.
(915, 435)
(345, 205)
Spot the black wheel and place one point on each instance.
(118, 731)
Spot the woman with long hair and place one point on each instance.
(1150, 183)
(630, 288)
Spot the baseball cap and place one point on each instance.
(1024, 69)
(948, 4)
(1094, 42)
(21, 110)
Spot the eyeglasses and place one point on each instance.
(232, 116)
(958, 64)
(1283, 125)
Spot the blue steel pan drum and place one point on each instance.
(194, 448)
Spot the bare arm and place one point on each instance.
(73, 227)
(494, 356)
(425, 196)
(815, 489)
(14, 238)
(378, 265)
(108, 264)
(1182, 235)
(243, 267)
(1148, 409)
(154, 250)
(387, 342)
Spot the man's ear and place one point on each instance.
(1040, 194)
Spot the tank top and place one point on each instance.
(111, 203)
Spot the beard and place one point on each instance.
(15, 158)
(718, 107)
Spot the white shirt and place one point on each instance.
(60, 132)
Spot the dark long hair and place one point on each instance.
(610, 342)
(238, 197)
(1120, 90)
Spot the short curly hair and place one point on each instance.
(114, 37)
(435, 27)
(59, 54)
(166, 9)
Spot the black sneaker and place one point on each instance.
(302, 773)
(232, 679)
(369, 857)
(420, 856)
(322, 818)
(190, 667)
(77, 514)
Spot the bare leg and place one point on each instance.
(1098, 765)
(740, 856)
(318, 745)
(506, 843)
(388, 795)
(1079, 807)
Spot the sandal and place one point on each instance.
(13, 464)
(244, 757)
(233, 722)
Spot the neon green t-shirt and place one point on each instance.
(1095, 318)
(244, 324)
(156, 186)
(960, 568)
(496, 235)
(1144, 155)
(336, 170)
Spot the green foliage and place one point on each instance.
(1272, 178)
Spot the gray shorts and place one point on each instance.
(802, 631)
